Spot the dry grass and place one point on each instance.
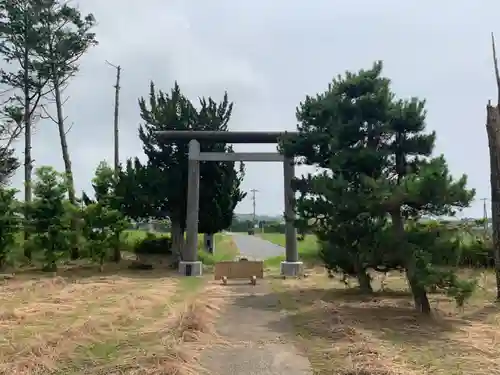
(346, 333)
(130, 324)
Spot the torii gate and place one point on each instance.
(190, 265)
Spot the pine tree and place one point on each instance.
(378, 161)
(50, 216)
(219, 190)
(20, 47)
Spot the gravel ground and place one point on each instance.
(258, 332)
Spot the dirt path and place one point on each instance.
(258, 333)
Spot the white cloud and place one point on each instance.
(268, 55)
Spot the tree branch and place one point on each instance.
(47, 114)
(11, 135)
(69, 127)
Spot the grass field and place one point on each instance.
(346, 333)
(119, 321)
(308, 249)
(225, 249)
(84, 323)
(343, 332)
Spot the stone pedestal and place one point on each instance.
(292, 268)
(191, 268)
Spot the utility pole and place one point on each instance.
(485, 214)
(117, 105)
(117, 256)
(253, 191)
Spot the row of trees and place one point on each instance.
(50, 220)
(42, 42)
(378, 180)
(139, 190)
(264, 226)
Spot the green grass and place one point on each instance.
(225, 249)
(308, 249)
(132, 236)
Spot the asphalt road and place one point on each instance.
(256, 248)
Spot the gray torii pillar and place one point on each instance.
(291, 266)
(190, 266)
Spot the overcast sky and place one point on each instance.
(268, 54)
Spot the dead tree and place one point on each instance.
(116, 250)
(493, 132)
(115, 117)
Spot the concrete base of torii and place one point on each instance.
(191, 268)
(292, 269)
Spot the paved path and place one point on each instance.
(256, 248)
(258, 332)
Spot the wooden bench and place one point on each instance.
(239, 269)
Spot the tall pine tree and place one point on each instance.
(219, 191)
(24, 73)
(375, 149)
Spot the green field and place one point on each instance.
(308, 249)
(225, 249)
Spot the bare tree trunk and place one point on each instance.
(492, 129)
(67, 163)
(115, 122)
(28, 166)
(117, 255)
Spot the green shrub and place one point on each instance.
(444, 245)
(9, 224)
(453, 246)
(153, 244)
(274, 227)
(50, 216)
(206, 258)
(477, 252)
(102, 227)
